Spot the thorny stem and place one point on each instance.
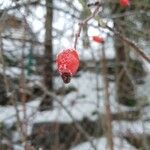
(82, 23)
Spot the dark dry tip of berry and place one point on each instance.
(66, 77)
(103, 41)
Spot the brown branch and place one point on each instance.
(77, 125)
(12, 96)
(34, 3)
(82, 23)
(131, 43)
(20, 5)
(107, 102)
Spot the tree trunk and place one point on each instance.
(48, 56)
(125, 90)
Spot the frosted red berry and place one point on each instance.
(67, 62)
(124, 3)
(98, 39)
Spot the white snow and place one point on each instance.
(18, 147)
(135, 127)
(80, 104)
(101, 144)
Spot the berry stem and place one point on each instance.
(82, 23)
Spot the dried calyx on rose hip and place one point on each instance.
(124, 3)
(67, 62)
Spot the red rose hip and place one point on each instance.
(67, 62)
(98, 39)
(124, 3)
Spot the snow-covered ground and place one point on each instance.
(80, 103)
(101, 144)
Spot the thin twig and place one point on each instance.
(82, 23)
(107, 102)
(77, 125)
(20, 5)
(131, 43)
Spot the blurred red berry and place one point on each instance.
(67, 62)
(124, 3)
(98, 39)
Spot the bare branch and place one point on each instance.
(131, 43)
(82, 23)
(77, 125)
(107, 102)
